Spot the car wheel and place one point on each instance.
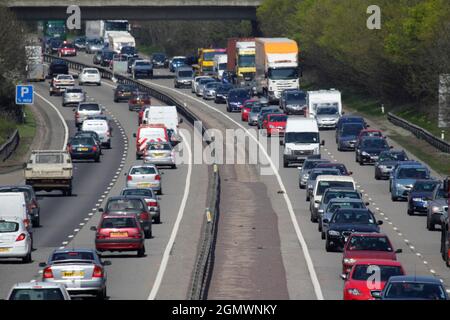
(174, 166)
(361, 162)
(97, 159)
(410, 212)
(319, 226)
(394, 198)
(430, 226)
(101, 295)
(36, 222)
(116, 100)
(141, 252)
(339, 148)
(27, 258)
(328, 246)
(148, 234)
(377, 177)
(307, 197)
(99, 84)
(313, 219)
(322, 235)
(285, 164)
(158, 220)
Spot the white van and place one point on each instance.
(324, 182)
(166, 115)
(329, 98)
(220, 65)
(15, 240)
(13, 204)
(301, 140)
(101, 127)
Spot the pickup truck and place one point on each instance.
(60, 83)
(49, 170)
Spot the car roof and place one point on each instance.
(16, 186)
(143, 166)
(383, 262)
(369, 234)
(73, 250)
(335, 178)
(122, 197)
(414, 278)
(31, 284)
(365, 138)
(125, 214)
(313, 170)
(337, 200)
(410, 164)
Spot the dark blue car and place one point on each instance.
(347, 135)
(236, 99)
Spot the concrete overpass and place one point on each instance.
(137, 9)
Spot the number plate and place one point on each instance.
(5, 249)
(118, 234)
(68, 274)
(146, 185)
(83, 149)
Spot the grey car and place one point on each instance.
(293, 101)
(201, 85)
(253, 115)
(86, 109)
(97, 58)
(183, 77)
(327, 116)
(348, 199)
(209, 91)
(437, 208)
(160, 154)
(80, 270)
(387, 161)
(73, 96)
(151, 200)
(313, 174)
(303, 173)
(94, 45)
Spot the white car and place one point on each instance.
(15, 241)
(144, 176)
(60, 83)
(90, 75)
(35, 290)
(195, 82)
(101, 127)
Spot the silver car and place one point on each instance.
(201, 85)
(160, 154)
(144, 176)
(86, 109)
(35, 290)
(150, 198)
(209, 91)
(183, 77)
(253, 115)
(94, 45)
(196, 81)
(303, 173)
(73, 96)
(327, 116)
(80, 270)
(437, 208)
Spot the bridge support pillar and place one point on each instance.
(256, 31)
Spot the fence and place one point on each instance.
(420, 133)
(9, 146)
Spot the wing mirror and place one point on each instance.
(106, 263)
(376, 294)
(325, 220)
(42, 264)
(391, 147)
(367, 203)
(93, 228)
(322, 143)
(379, 222)
(281, 142)
(344, 276)
(398, 251)
(134, 135)
(181, 120)
(100, 210)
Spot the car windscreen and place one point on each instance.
(159, 57)
(142, 63)
(124, 204)
(224, 89)
(125, 87)
(351, 129)
(26, 191)
(185, 74)
(425, 186)
(64, 77)
(159, 146)
(72, 255)
(353, 217)
(412, 173)
(362, 272)
(118, 223)
(323, 185)
(239, 94)
(374, 143)
(75, 90)
(138, 192)
(108, 55)
(37, 294)
(179, 61)
(295, 97)
(49, 158)
(301, 137)
(283, 74)
(311, 164)
(414, 290)
(143, 170)
(358, 243)
(212, 85)
(341, 195)
(89, 107)
(278, 118)
(91, 71)
(256, 109)
(327, 111)
(205, 81)
(8, 226)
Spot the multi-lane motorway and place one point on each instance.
(267, 247)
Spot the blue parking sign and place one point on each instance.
(24, 94)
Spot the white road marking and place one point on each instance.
(166, 255)
(301, 239)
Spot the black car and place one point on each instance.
(160, 60)
(349, 119)
(236, 99)
(222, 93)
(84, 148)
(80, 43)
(128, 51)
(54, 45)
(420, 194)
(90, 134)
(123, 92)
(346, 221)
(369, 148)
(58, 67)
(387, 161)
(293, 101)
(107, 56)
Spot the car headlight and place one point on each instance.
(317, 150)
(287, 150)
(320, 210)
(334, 233)
(365, 154)
(354, 292)
(305, 176)
(435, 209)
(383, 167)
(349, 260)
(316, 205)
(400, 186)
(417, 199)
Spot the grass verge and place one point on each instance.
(7, 127)
(27, 131)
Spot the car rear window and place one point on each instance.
(8, 226)
(412, 173)
(415, 290)
(91, 71)
(96, 126)
(162, 146)
(350, 216)
(345, 205)
(138, 192)
(124, 204)
(84, 141)
(280, 118)
(323, 185)
(74, 91)
(49, 158)
(73, 255)
(369, 243)
(89, 107)
(37, 294)
(118, 223)
(341, 195)
(362, 272)
(314, 174)
(143, 170)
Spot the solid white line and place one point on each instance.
(66, 129)
(301, 239)
(165, 258)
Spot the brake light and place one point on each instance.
(108, 133)
(152, 203)
(48, 273)
(26, 222)
(77, 115)
(21, 237)
(94, 148)
(69, 148)
(136, 235)
(144, 216)
(101, 236)
(129, 178)
(98, 272)
(157, 177)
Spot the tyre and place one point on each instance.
(319, 226)
(173, 166)
(36, 222)
(148, 234)
(328, 246)
(99, 84)
(115, 100)
(307, 197)
(377, 177)
(394, 198)
(80, 83)
(410, 212)
(97, 159)
(301, 186)
(322, 235)
(158, 220)
(141, 252)
(285, 164)
(430, 226)
(101, 295)
(313, 219)
(27, 258)
(69, 192)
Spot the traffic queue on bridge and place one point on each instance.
(261, 80)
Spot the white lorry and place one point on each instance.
(220, 65)
(95, 29)
(35, 63)
(276, 66)
(102, 28)
(117, 40)
(325, 106)
(166, 115)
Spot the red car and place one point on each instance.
(367, 246)
(359, 284)
(67, 49)
(275, 123)
(119, 233)
(247, 107)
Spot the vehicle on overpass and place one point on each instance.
(276, 66)
(55, 29)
